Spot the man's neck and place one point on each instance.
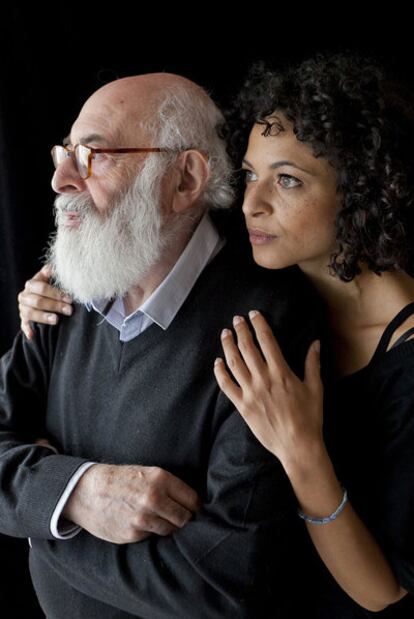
(139, 293)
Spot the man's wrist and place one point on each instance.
(78, 501)
(59, 526)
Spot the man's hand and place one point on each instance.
(41, 302)
(123, 504)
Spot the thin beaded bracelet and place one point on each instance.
(327, 519)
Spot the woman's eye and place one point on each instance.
(289, 182)
(248, 175)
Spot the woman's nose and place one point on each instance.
(255, 202)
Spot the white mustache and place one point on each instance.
(78, 204)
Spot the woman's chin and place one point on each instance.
(269, 261)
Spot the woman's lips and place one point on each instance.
(257, 237)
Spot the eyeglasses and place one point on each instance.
(84, 155)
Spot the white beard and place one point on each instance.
(108, 254)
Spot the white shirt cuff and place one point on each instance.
(58, 529)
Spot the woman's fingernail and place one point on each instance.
(225, 333)
(52, 318)
(218, 361)
(66, 298)
(317, 346)
(67, 309)
(237, 320)
(253, 313)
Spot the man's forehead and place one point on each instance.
(103, 126)
(115, 110)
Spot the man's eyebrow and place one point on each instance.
(92, 137)
(278, 164)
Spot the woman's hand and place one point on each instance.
(39, 301)
(284, 413)
(43, 442)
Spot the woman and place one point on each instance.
(329, 187)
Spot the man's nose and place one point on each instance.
(66, 178)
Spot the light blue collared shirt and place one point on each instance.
(164, 303)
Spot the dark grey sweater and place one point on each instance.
(153, 401)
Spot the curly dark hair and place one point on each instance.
(351, 112)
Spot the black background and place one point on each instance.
(53, 58)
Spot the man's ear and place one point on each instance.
(192, 174)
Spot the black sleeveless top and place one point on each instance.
(369, 433)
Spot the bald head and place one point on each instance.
(123, 107)
(140, 91)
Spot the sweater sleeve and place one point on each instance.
(32, 477)
(229, 559)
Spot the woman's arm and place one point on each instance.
(286, 415)
(40, 302)
(345, 545)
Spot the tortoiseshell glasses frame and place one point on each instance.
(84, 155)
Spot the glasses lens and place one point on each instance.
(82, 154)
(59, 154)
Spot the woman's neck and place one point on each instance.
(366, 301)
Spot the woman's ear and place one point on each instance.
(192, 174)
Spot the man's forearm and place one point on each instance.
(220, 559)
(203, 563)
(34, 478)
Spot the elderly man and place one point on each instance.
(152, 498)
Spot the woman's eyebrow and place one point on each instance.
(278, 164)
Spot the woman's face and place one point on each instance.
(290, 200)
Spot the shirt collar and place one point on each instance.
(166, 300)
